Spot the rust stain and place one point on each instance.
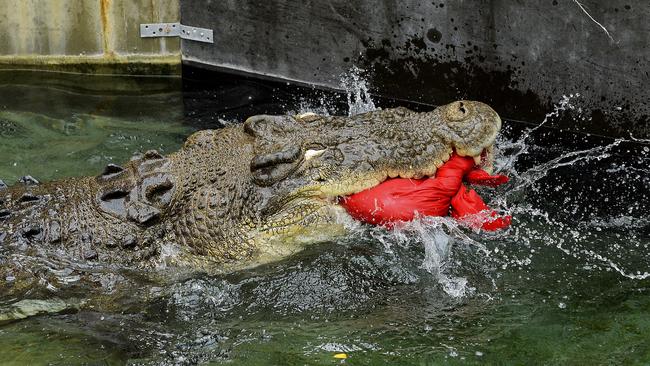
(106, 27)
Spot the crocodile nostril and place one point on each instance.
(461, 108)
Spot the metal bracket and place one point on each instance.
(176, 30)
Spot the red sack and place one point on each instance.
(468, 207)
(401, 199)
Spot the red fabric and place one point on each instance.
(483, 178)
(469, 207)
(400, 199)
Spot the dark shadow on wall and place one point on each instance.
(409, 72)
(521, 56)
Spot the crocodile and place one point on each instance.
(237, 196)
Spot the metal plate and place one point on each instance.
(197, 34)
(160, 30)
(176, 30)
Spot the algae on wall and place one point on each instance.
(87, 35)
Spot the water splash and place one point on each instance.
(533, 175)
(585, 241)
(535, 228)
(437, 246)
(357, 96)
(323, 106)
(522, 144)
(357, 92)
(440, 237)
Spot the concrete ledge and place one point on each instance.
(89, 36)
(114, 65)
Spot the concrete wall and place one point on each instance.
(87, 35)
(521, 56)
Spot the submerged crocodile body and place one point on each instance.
(243, 194)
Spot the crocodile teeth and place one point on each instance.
(310, 154)
(429, 172)
(307, 114)
(477, 160)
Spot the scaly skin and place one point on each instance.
(242, 195)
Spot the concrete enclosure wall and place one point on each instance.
(521, 56)
(35, 33)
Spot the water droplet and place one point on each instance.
(358, 94)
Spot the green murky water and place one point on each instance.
(54, 125)
(566, 285)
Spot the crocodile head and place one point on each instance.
(243, 192)
(304, 164)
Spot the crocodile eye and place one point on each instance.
(287, 155)
(270, 168)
